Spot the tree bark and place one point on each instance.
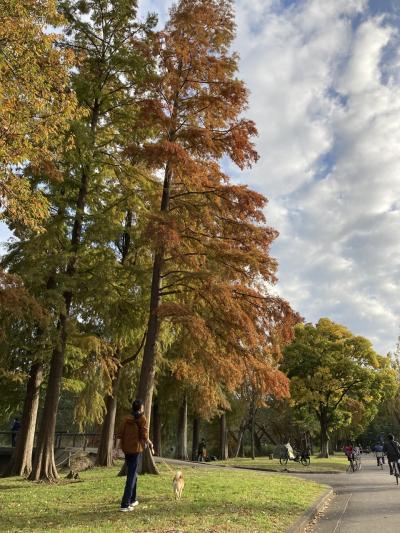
(252, 429)
(181, 449)
(324, 436)
(195, 437)
(44, 466)
(21, 460)
(157, 428)
(104, 452)
(239, 442)
(257, 443)
(223, 440)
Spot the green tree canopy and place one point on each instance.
(330, 369)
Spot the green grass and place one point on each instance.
(336, 462)
(214, 500)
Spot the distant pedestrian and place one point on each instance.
(202, 451)
(132, 438)
(16, 425)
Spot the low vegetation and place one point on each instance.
(214, 500)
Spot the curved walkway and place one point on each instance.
(367, 501)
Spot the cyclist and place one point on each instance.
(380, 456)
(349, 451)
(392, 449)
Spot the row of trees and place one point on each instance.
(139, 267)
(138, 263)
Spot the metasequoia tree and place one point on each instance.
(107, 37)
(35, 103)
(330, 369)
(195, 110)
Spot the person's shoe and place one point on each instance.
(133, 504)
(125, 509)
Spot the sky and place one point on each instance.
(324, 78)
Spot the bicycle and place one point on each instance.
(354, 463)
(396, 471)
(300, 457)
(379, 461)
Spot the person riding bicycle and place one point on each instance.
(392, 449)
(289, 451)
(379, 453)
(349, 451)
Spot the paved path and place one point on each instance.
(367, 501)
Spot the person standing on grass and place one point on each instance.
(16, 426)
(202, 451)
(132, 438)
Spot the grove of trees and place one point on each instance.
(138, 266)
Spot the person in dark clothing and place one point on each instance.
(16, 425)
(132, 438)
(392, 449)
(202, 451)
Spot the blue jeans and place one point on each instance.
(129, 496)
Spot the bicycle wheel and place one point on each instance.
(396, 471)
(283, 460)
(305, 461)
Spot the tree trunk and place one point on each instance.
(21, 460)
(324, 437)
(157, 428)
(252, 429)
(239, 442)
(223, 440)
(181, 449)
(257, 443)
(44, 466)
(104, 452)
(253, 451)
(148, 369)
(195, 437)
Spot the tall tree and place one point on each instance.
(329, 368)
(107, 35)
(195, 108)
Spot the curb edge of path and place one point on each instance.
(303, 521)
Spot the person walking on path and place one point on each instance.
(392, 449)
(16, 425)
(132, 438)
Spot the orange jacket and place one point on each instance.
(133, 434)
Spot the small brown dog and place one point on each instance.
(178, 484)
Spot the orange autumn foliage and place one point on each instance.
(35, 103)
(212, 270)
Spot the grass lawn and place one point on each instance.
(335, 462)
(213, 501)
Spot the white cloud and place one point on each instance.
(330, 157)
